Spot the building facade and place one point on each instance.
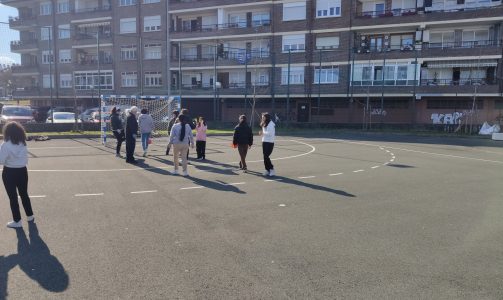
(336, 61)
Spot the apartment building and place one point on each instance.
(337, 61)
(84, 48)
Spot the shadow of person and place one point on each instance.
(6, 264)
(36, 260)
(295, 182)
(149, 168)
(216, 185)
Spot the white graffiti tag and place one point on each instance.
(454, 118)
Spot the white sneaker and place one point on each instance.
(30, 218)
(185, 174)
(272, 173)
(175, 172)
(13, 224)
(117, 155)
(266, 173)
(144, 153)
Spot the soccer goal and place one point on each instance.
(159, 107)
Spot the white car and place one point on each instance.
(63, 117)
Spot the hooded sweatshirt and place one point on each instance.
(146, 123)
(13, 156)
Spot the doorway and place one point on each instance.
(303, 112)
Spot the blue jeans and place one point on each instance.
(144, 140)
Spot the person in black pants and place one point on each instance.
(268, 134)
(243, 139)
(117, 129)
(131, 133)
(14, 158)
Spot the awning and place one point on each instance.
(94, 25)
(475, 63)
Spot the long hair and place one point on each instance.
(114, 110)
(201, 119)
(267, 117)
(183, 123)
(242, 120)
(14, 132)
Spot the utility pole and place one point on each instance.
(288, 88)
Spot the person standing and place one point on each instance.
(192, 124)
(268, 134)
(117, 129)
(131, 133)
(172, 122)
(146, 123)
(243, 139)
(201, 138)
(14, 158)
(180, 137)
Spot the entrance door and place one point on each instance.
(223, 78)
(456, 76)
(303, 110)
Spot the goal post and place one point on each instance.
(159, 107)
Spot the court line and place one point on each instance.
(272, 180)
(358, 171)
(306, 177)
(236, 183)
(192, 188)
(144, 192)
(336, 174)
(375, 167)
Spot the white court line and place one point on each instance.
(358, 171)
(448, 155)
(192, 188)
(88, 195)
(391, 153)
(375, 167)
(35, 196)
(386, 163)
(272, 180)
(236, 183)
(144, 192)
(392, 160)
(335, 174)
(306, 177)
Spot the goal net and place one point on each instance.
(159, 107)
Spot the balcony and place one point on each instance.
(221, 29)
(28, 91)
(189, 4)
(81, 39)
(225, 58)
(24, 45)
(93, 12)
(460, 86)
(92, 60)
(387, 14)
(24, 69)
(22, 21)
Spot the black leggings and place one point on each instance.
(267, 151)
(120, 138)
(16, 180)
(201, 149)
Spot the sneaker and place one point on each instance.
(175, 172)
(30, 218)
(185, 174)
(245, 170)
(13, 224)
(117, 155)
(240, 166)
(144, 153)
(266, 173)
(272, 173)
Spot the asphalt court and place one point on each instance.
(345, 217)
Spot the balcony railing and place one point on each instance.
(93, 60)
(391, 82)
(16, 21)
(462, 7)
(224, 26)
(387, 13)
(226, 55)
(451, 82)
(229, 86)
(23, 44)
(93, 9)
(25, 68)
(466, 44)
(88, 36)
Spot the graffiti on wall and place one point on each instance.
(378, 112)
(454, 118)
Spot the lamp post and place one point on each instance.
(217, 87)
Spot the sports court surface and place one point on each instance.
(357, 217)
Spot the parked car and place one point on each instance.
(86, 116)
(21, 114)
(62, 117)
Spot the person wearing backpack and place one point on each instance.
(243, 140)
(180, 138)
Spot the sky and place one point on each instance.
(6, 34)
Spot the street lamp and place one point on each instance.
(218, 86)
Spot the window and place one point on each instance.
(152, 23)
(472, 38)
(394, 74)
(64, 31)
(47, 57)
(328, 42)
(63, 6)
(326, 75)
(237, 21)
(261, 19)
(296, 75)
(65, 81)
(129, 79)
(127, 2)
(45, 8)
(153, 51)
(442, 39)
(151, 1)
(88, 80)
(328, 8)
(129, 52)
(153, 79)
(47, 81)
(128, 25)
(46, 33)
(294, 43)
(65, 56)
(294, 11)
(402, 42)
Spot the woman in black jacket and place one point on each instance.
(117, 129)
(243, 139)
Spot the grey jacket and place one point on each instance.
(146, 123)
(174, 137)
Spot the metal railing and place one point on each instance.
(387, 13)
(92, 9)
(87, 36)
(465, 44)
(223, 26)
(84, 60)
(462, 7)
(227, 55)
(390, 82)
(451, 82)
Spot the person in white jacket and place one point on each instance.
(14, 158)
(146, 124)
(268, 134)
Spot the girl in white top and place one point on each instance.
(14, 158)
(268, 134)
